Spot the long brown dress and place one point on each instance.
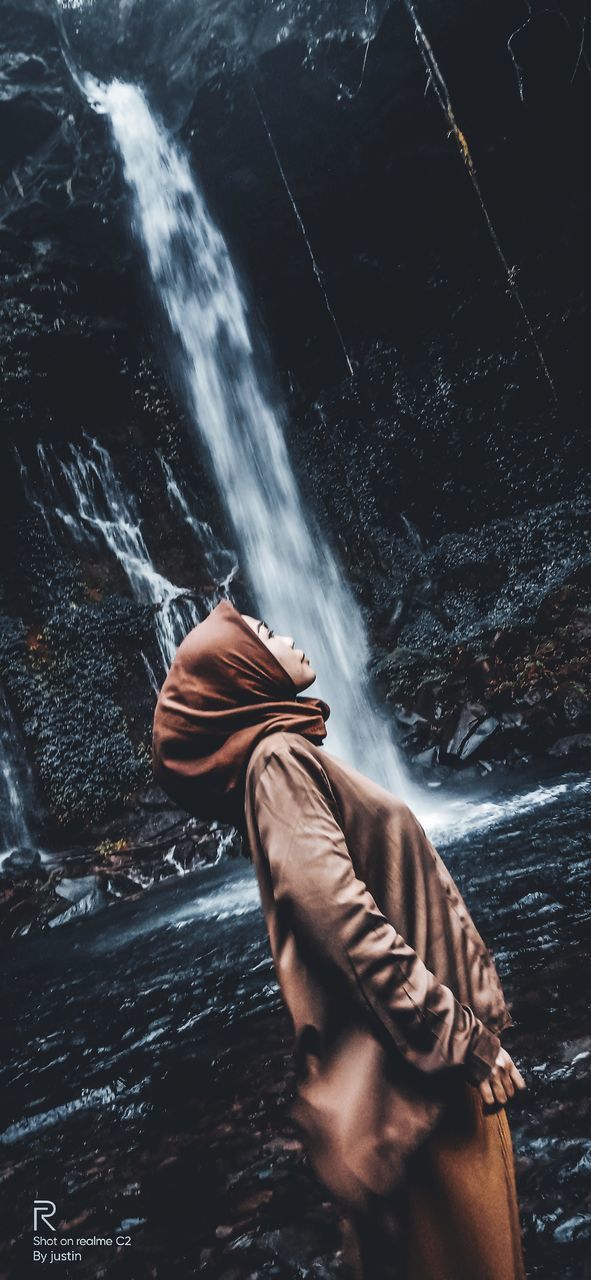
(362, 914)
(395, 1001)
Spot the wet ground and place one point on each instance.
(146, 1083)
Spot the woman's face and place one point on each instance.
(293, 660)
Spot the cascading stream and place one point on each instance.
(297, 585)
(105, 511)
(92, 505)
(15, 786)
(220, 562)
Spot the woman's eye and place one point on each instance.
(270, 634)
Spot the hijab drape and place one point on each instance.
(224, 691)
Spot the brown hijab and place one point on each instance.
(224, 691)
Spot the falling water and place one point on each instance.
(15, 786)
(220, 563)
(99, 509)
(297, 585)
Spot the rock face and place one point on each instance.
(507, 695)
(445, 472)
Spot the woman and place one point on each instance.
(395, 1001)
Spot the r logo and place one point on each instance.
(43, 1209)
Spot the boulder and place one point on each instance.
(574, 742)
(473, 726)
(74, 890)
(92, 899)
(23, 862)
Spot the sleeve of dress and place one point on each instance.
(335, 916)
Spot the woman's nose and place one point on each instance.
(289, 640)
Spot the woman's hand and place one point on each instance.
(502, 1082)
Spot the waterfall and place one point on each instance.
(297, 585)
(99, 510)
(15, 786)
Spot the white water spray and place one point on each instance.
(297, 584)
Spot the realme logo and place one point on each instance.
(43, 1210)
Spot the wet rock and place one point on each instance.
(23, 862)
(576, 1228)
(76, 890)
(478, 736)
(93, 899)
(426, 759)
(413, 729)
(570, 704)
(18, 912)
(161, 845)
(574, 743)
(158, 826)
(512, 720)
(153, 797)
(472, 729)
(122, 885)
(410, 719)
(506, 696)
